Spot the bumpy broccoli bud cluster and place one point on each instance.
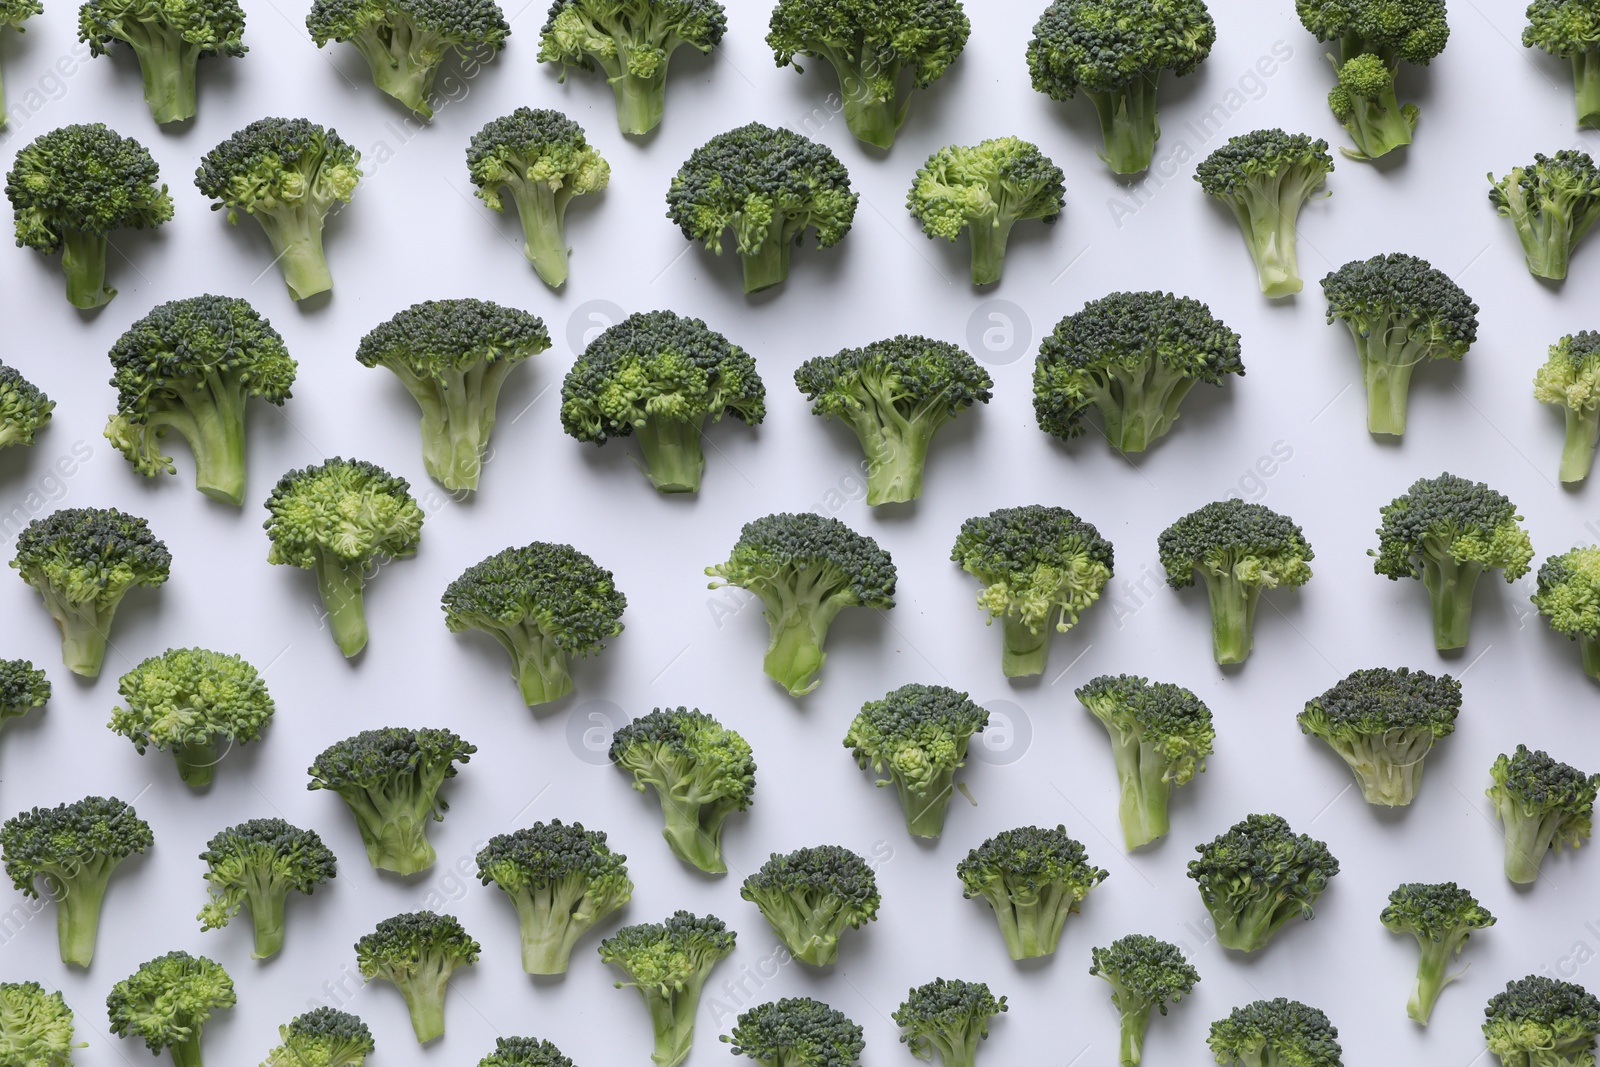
(1543, 804)
(24, 409)
(169, 37)
(1145, 974)
(322, 1037)
(1266, 177)
(1257, 876)
(1442, 917)
(948, 1016)
(167, 1002)
(22, 688)
(1033, 878)
(255, 866)
(1570, 29)
(1383, 722)
(1542, 1021)
(418, 952)
(524, 1052)
(1276, 1033)
(13, 13)
(1568, 597)
(38, 1027)
(1570, 379)
(918, 736)
(986, 189)
(194, 703)
(669, 963)
(1552, 203)
(811, 896)
(797, 1032)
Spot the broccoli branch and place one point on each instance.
(85, 627)
(79, 892)
(1135, 1023)
(1577, 453)
(1388, 355)
(672, 1017)
(458, 415)
(1030, 919)
(550, 925)
(424, 991)
(540, 665)
(391, 50)
(1433, 973)
(168, 64)
(295, 233)
(1586, 79)
(1450, 585)
(340, 583)
(794, 653)
(83, 260)
(693, 826)
(542, 210)
(1529, 836)
(673, 458)
(1233, 615)
(394, 826)
(1143, 788)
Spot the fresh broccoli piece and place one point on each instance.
(1442, 918)
(167, 1001)
(1570, 29)
(541, 160)
(947, 1016)
(1363, 99)
(563, 881)
(1383, 722)
(1542, 1022)
(1542, 805)
(805, 569)
(453, 356)
(985, 189)
(1237, 549)
(1266, 177)
(701, 771)
(390, 779)
(1114, 51)
(1448, 531)
(668, 963)
(797, 1032)
(631, 42)
(769, 186)
(170, 38)
(13, 13)
(83, 561)
(663, 377)
(1160, 735)
(254, 866)
(1276, 1033)
(288, 175)
(918, 735)
(812, 896)
(1133, 357)
(322, 1037)
(71, 188)
(1144, 974)
(342, 519)
(1033, 878)
(35, 1027)
(418, 952)
(524, 1052)
(1258, 876)
(196, 704)
(895, 394)
(1552, 203)
(1570, 378)
(22, 688)
(405, 41)
(24, 409)
(1568, 597)
(545, 604)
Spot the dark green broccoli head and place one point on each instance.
(1231, 538)
(797, 1032)
(1541, 786)
(215, 28)
(1101, 46)
(242, 858)
(393, 758)
(167, 1001)
(1030, 863)
(524, 1052)
(343, 509)
(1381, 700)
(1168, 718)
(663, 958)
(1253, 163)
(1569, 593)
(1552, 203)
(435, 26)
(1410, 31)
(14, 13)
(1451, 519)
(537, 147)
(84, 179)
(672, 747)
(811, 896)
(947, 1015)
(24, 409)
(1144, 972)
(558, 855)
(22, 688)
(61, 841)
(1562, 27)
(277, 166)
(322, 1037)
(1259, 875)
(439, 341)
(1040, 565)
(1402, 302)
(38, 1030)
(785, 550)
(196, 704)
(1276, 1032)
(405, 944)
(1540, 1020)
(1435, 912)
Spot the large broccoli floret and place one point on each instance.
(287, 174)
(1570, 29)
(1383, 722)
(918, 735)
(811, 897)
(255, 866)
(895, 394)
(453, 356)
(1033, 878)
(342, 519)
(769, 186)
(668, 963)
(662, 377)
(390, 779)
(1258, 876)
(22, 688)
(1276, 1033)
(1570, 378)
(1448, 531)
(1568, 597)
(985, 189)
(24, 409)
(1552, 203)
(796, 1032)
(418, 952)
(322, 1037)
(13, 13)
(194, 703)
(947, 1016)
(1144, 974)
(702, 773)
(524, 1052)
(1542, 804)
(1542, 1022)
(563, 881)
(1441, 917)
(71, 188)
(167, 1001)
(37, 1027)
(1114, 52)
(83, 561)
(805, 569)
(169, 37)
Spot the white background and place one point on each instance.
(416, 232)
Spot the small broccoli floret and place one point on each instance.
(668, 963)
(985, 189)
(1552, 203)
(947, 1016)
(453, 356)
(1114, 52)
(83, 561)
(895, 394)
(702, 773)
(797, 1032)
(1033, 878)
(805, 569)
(13, 13)
(196, 704)
(1541, 1022)
(1542, 805)
(545, 604)
(1383, 722)
(418, 952)
(1276, 1033)
(24, 409)
(1448, 531)
(288, 175)
(1568, 597)
(22, 688)
(540, 160)
(255, 866)
(769, 186)
(1570, 29)
(811, 897)
(1266, 177)
(563, 881)
(71, 188)
(1144, 974)
(35, 1027)
(1442, 918)
(524, 1052)
(169, 37)
(1258, 876)
(918, 735)
(322, 1037)
(1570, 378)
(662, 377)
(1363, 100)
(167, 1002)
(1160, 734)
(390, 779)
(342, 519)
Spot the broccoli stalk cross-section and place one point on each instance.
(1033, 879)
(418, 952)
(1542, 804)
(1442, 918)
(1144, 974)
(669, 963)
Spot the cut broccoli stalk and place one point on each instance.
(1527, 841)
(79, 894)
(1577, 454)
(673, 458)
(1128, 124)
(1025, 648)
(1272, 235)
(548, 930)
(925, 803)
(989, 236)
(197, 764)
(1144, 403)
(693, 829)
(458, 415)
(84, 629)
(169, 64)
(1450, 587)
(340, 582)
(896, 451)
(1377, 124)
(1586, 78)
(1387, 360)
(1433, 974)
(540, 664)
(393, 70)
(799, 626)
(1233, 616)
(267, 900)
(1145, 792)
(768, 265)
(672, 1018)
(544, 241)
(83, 260)
(296, 238)
(640, 101)
(872, 120)
(396, 836)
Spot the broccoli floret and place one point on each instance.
(918, 735)
(167, 1001)
(1541, 1022)
(1568, 597)
(1276, 1033)
(1238, 549)
(1570, 378)
(1448, 531)
(668, 963)
(1570, 29)
(169, 37)
(524, 1052)
(812, 896)
(767, 185)
(1363, 100)
(702, 773)
(35, 1027)
(947, 1016)
(1266, 177)
(895, 394)
(453, 356)
(1442, 918)
(13, 13)
(1160, 735)
(563, 881)
(1144, 974)
(805, 569)
(196, 704)
(662, 377)
(545, 604)
(418, 952)
(1383, 722)
(985, 189)
(797, 1032)
(1133, 357)
(1033, 878)
(24, 409)
(1542, 804)
(1258, 876)
(255, 865)
(1114, 51)
(390, 779)
(322, 1037)
(71, 188)
(1552, 203)
(288, 175)
(540, 159)
(405, 41)
(22, 688)
(83, 561)
(342, 519)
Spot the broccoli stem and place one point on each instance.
(387, 48)
(1529, 836)
(1450, 586)
(266, 900)
(672, 1018)
(1387, 767)
(694, 832)
(186, 1051)
(957, 1045)
(640, 101)
(872, 119)
(458, 415)
(83, 259)
(538, 664)
(1030, 920)
(1233, 616)
(1025, 649)
(794, 654)
(295, 232)
(1135, 1023)
(216, 437)
(925, 805)
(1270, 232)
(1546, 240)
(168, 64)
(989, 235)
(1388, 383)
(673, 458)
(340, 581)
(424, 994)
(85, 627)
(197, 763)
(1577, 453)
(542, 210)
(767, 265)
(549, 929)
(1144, 794)
(1139, 404)
(896, 456)
(1586, 79)
(1590, 648)
(1432, 976)
(1378, 125)
(402, 846)
(1128, 124)
(79, 893)
(1247, 925)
